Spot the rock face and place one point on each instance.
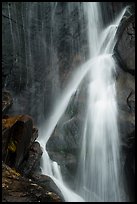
(19, 148)
(64, 144)
(125, 47)
(47, 182)
(42, 43)
(18, 131)
(63, 147)
(125, 58)
(112, 9)
(31, 162)
(6, 101)
(16, 188)
(21, 156)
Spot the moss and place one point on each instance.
(12, 146)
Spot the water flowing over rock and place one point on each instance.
(125, 128)
(71, 67)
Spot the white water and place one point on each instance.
(99, 169)
(98, 176)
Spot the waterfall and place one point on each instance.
(98, 175)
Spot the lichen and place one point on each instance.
(9, 122)
(12, 146)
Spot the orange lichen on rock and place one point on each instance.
(9, 122)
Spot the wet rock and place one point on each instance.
(67, 137)
(67, 163)
(50, 59)
(125, 86)
(72, 132)
(34, 134)
(112, 10)
(129, 165)
(125, 47)
(7, 123)
(24, 190)
(6, 101)
(63, 147)
(67, 134)
(56, 142)
(64, 144)
(46, 181)
(16, 138)
(31, 162)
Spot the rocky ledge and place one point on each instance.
(21, 155)
(24, 189)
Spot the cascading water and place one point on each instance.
(98, 176)
(99, 168)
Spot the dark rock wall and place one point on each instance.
(42, 42)
(125, 59)
(112, 9)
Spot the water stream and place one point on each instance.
(98, 176)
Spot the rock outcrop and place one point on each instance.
(21, 155)
(16, 138)
(125, 47)
(125, 84)
(16, 188)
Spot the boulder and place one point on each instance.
(17, 137)
(67, 134)
(63, 147)
(31, 162)
(67, 137)
(125, 47)
(46, 181)
(24, 189)
(7, 123)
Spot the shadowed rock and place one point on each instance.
(24, 190)
(18, 146)
(125, 47)
(31, 162)
(6, 101)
